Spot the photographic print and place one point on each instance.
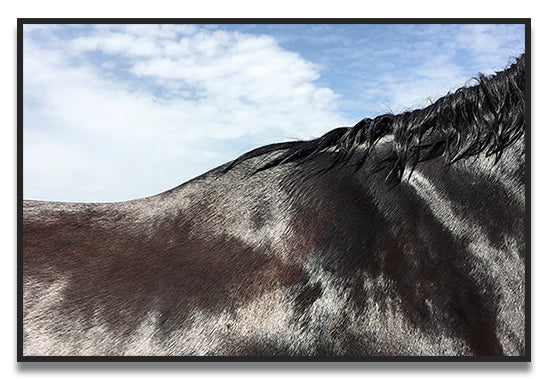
(324, 190)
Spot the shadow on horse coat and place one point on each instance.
(403, 235)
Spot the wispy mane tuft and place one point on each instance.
(487, 117)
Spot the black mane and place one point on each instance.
(487, 117)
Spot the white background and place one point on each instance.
(281, 8)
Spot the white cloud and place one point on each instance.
(220, 86)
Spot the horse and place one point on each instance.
(403, 235)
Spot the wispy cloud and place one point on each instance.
(401, 67)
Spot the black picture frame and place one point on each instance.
(21, 358)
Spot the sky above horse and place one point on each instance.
(117, 112)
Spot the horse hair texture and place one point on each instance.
(486, 117)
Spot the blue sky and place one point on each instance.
(115, 112)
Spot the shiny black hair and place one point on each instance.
(486, 117)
